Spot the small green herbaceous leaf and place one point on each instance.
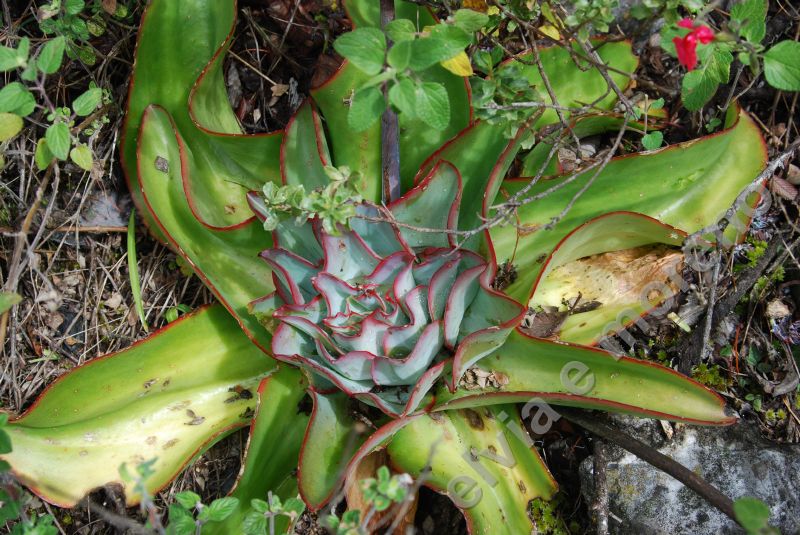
(58, 140)
(254, 524)
(653, 140)
(74, 7)
(656, 104)
(188, 499)
(294, 507)
(399, 55)
(364, 47)
(782, 66)
(259, 506)
(401, 30)
(82, 156)
(697, 89)
(181, 522)
(29, 73)
(699, 85)
(752, 514)
(7, 300)
(470, 21)
(51, 54)
(455, 39)
(15, 98)
(430, 51)
(219, 509)
(11, 58)
(10, 125)
(751, 16)
(433, 106)
(42, 156)
(88, 101)
(403, 96)
(366, 107)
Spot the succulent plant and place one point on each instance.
(382, 311)
(422, 325)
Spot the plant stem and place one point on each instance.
(696, 483)
(390, 131)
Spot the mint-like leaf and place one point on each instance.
(365, 48)
(782, 66)
(365, 109)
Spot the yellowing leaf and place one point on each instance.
(458, 64)
(10, 125)
(550, 31)
(476, 5)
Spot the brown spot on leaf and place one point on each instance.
(474, 419)
(169, 443)
(162, 164)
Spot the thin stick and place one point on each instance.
(390, 131)
(657, 459)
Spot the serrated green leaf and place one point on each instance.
(188, 499)
(399, 55)
(82, 156)
(428, 52)
(10, 125)
(400, 30)
(751, 15)
(16, 98)
(42, 156)
(403, 96)
(653, 140)
(366, 108)
(697, 89)
(74, 7)
(364, 47)
(259, 506)
(433, 105)
(88, 101)
(470, 21)
(11, 58)
(58, 140)
(782, 66)
(254, 523)
(51, 54)
(752, 514)
(220, 509)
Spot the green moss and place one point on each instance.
(547, 518)
(710, 376)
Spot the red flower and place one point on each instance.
(686, 46)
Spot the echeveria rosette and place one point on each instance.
(383, 310)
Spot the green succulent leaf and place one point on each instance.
(219, 165)
(686, 186)
(579, 376)
(269, 463)
(151, 400)
(482, 459)
(227, 261)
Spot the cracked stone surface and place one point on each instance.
(735, 459)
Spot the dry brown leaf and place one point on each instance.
(783, 189)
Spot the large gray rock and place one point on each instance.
(736, 460)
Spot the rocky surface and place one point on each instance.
(644, 500)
